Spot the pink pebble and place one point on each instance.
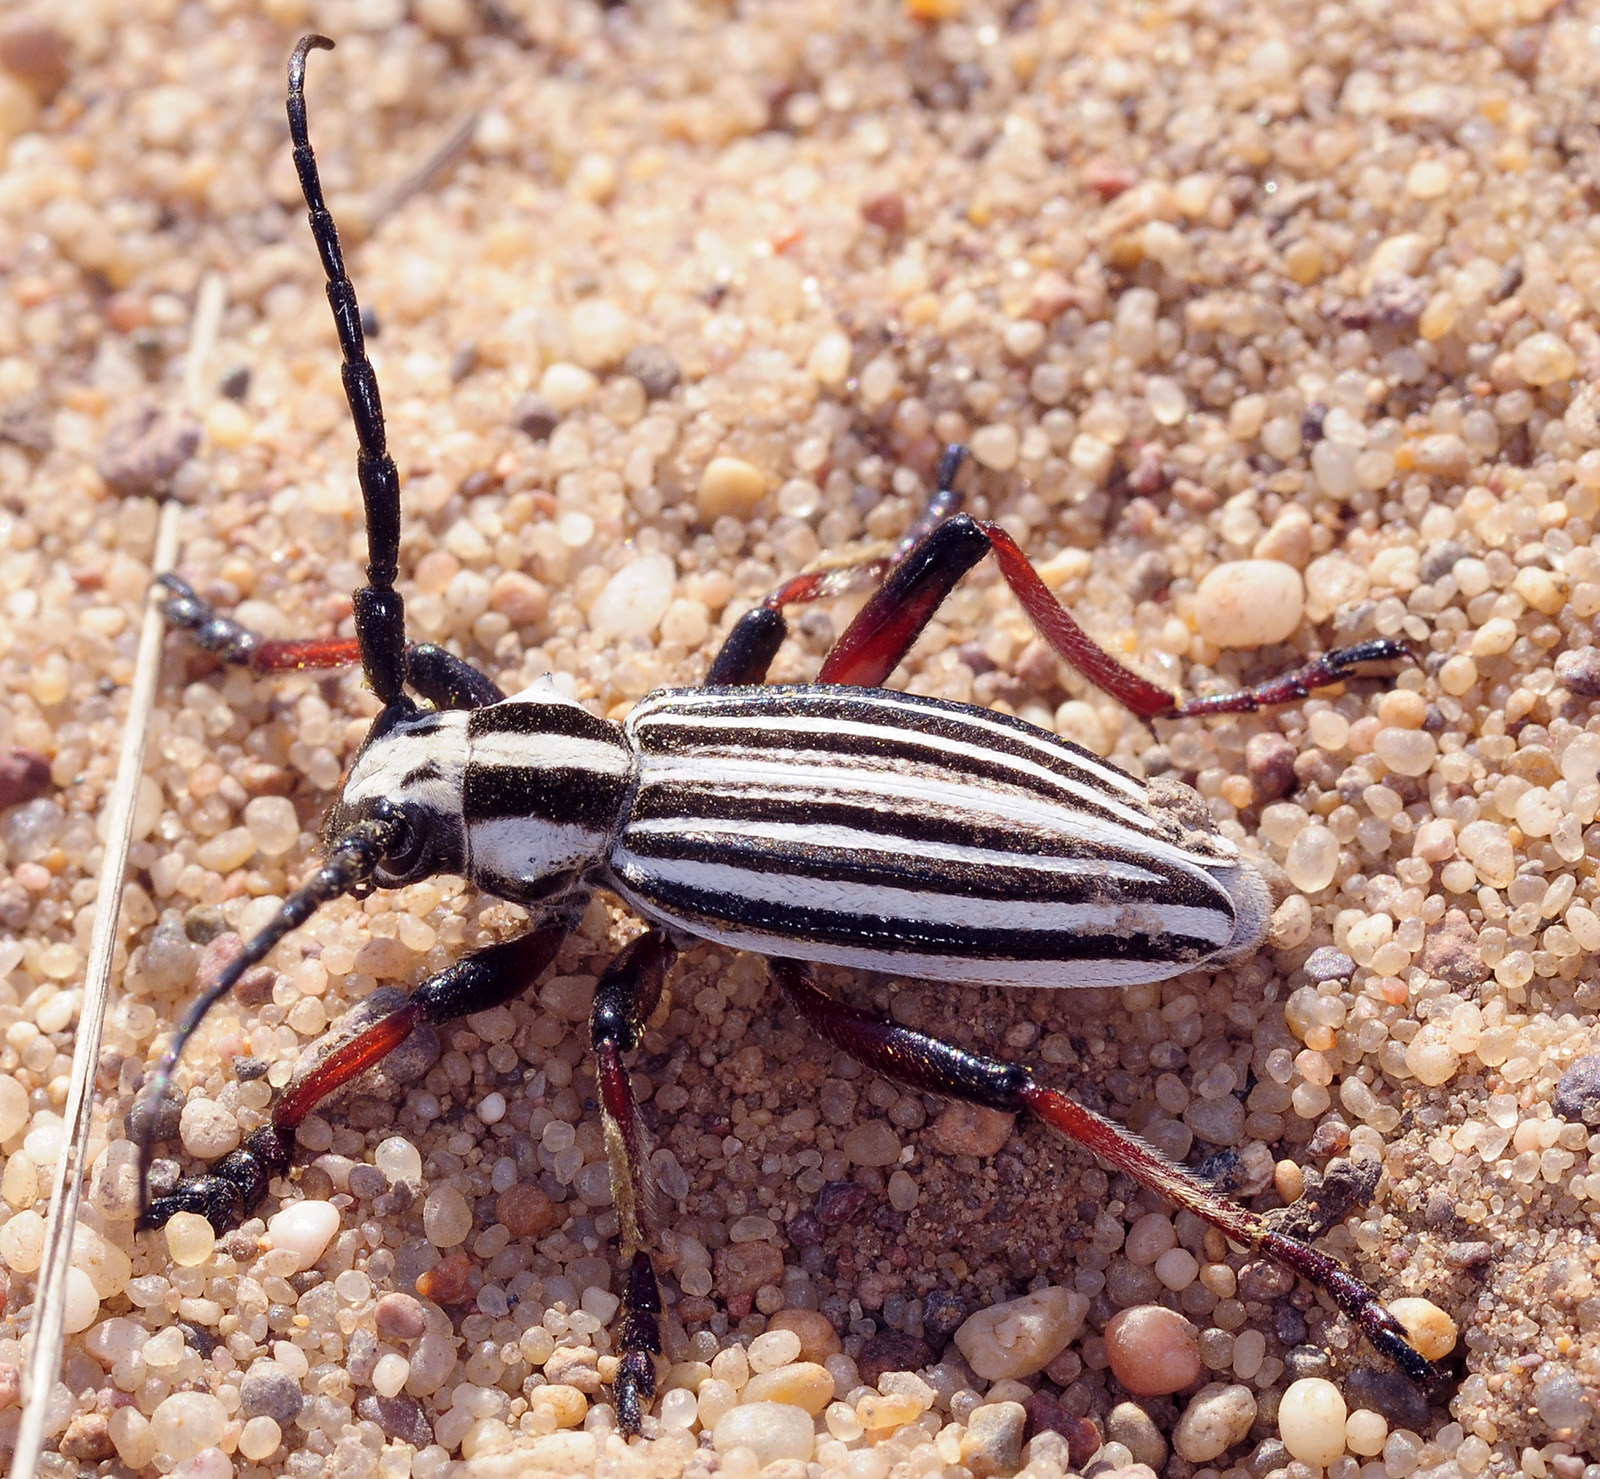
(1153, 1351)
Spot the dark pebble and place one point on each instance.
(37, 54)
(203, 923)
(1450, 951)
(1046, 1414)
(942, 1315)
(167, 1115)
(367, 1182)
(1577, 1095)
(1390, 1393)
(1327, 963)
(891, 1351)
(24, 775)
(1306, 1360)
(886, 211)
(145, 448)
(1150, 574)
(840, 1202)
(1269, 1454)
(535, 416)
(235, 383)
(399, 1416)
(1440, 558)
(1579, 672)
(245, 1068)
(1288, 1324)
(1269, 762)
(654, 368)
(1263, 1281)
(269, 1391)
(804, 1231)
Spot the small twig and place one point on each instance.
(455, 141)
(50, 1299)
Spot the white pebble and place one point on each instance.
(774, 1349)
(635, 599)
(398, 1159)
(446, 1217)
(601, 333)
(83, 1304)
(304, 1229)
(389, 1375)
(1249, 603)
(1311, 1421)
(207, 1129)
(1022, 1336)
(772, 1430)
(186, 1422)
(273, 822)
(567, 386)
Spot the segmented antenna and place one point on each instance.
(352, 860)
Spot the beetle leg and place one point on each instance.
(235, 1185)
(928, 1065)
(445, 680)
(624, 1001)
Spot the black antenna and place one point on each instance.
(351, 862)
(379, 611)
(379, 618)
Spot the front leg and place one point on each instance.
(928, 1065)
(233, 1188)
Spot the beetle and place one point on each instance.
(837, 822)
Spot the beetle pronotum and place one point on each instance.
(836, 822)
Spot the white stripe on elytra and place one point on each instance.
(972, 801)
(888, 904)
(902, 704)
(382, 770)
(1134, 817)
(517, 848)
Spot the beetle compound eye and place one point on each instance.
(405, 854)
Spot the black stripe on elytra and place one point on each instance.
(914, 743)
(571, 795)
(890, 936)
(896, 818)
(513, 717)
(1012, 880)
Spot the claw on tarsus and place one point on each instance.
(640, 1339)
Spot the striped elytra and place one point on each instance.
(851, 826)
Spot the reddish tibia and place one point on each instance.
(313, 654)
(344, 1063)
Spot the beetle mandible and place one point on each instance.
(836, 822)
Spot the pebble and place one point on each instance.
(729, 487)
(992, 1444)
(207, 1129)
(304, 1229)
(82, 1302)
(1577, 1096)
(24, 775)
(1022, 1336)
(259, 1439)
(633, 601)
(970, 1129)
(995, 447)
(654, 368)
(1153, 1351)
(1130, 1425)
(186, 1422)
(38, 54)
(525, 1211)
(566, 386)
(872, 1143)
(389, 1374)
(1544, 358)
(535, 416)
(88, 1438)
(144, 448)
(269, 1390)
(771, 1430)
(190, 1239)
(818, 1338)
(273, 823)
(521, 599)
(602, 334)
(1218, 1416)
(1269, 762)
(1562, 1399)
(1432, 1331)
(1249, 603)
(800, 1384)
(1311, 1421)
(742, 1268)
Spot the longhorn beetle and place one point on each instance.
(834, 822)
